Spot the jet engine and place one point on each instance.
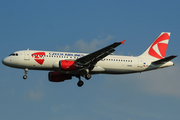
(58, 77)
(66, 65)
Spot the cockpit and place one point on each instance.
(14, 54)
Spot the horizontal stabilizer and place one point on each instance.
(164, 60)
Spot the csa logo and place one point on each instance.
(158, 48)
(39, 57)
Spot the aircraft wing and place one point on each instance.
(164, 60)
(93, 58)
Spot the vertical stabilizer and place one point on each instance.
(157, 49)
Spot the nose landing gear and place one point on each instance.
(25, 76)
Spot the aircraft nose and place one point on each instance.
(5, 61)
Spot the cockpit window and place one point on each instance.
(14, 54)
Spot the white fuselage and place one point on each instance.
(64, 65)
(112, 64)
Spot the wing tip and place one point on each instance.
(122, 42)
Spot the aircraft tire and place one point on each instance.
(88, 76)
(25, 77)
(80, 83)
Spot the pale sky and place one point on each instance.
(86, 26)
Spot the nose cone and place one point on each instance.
(5, 61)
(10, 62)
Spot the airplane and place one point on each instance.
(65, 65)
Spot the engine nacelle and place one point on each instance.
(58, 77)
(67, 65)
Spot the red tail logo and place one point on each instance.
(39, 57)
(158, 48)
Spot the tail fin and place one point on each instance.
(157, 49)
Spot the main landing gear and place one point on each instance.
(88, 76)
(25, 76)
(80, 82)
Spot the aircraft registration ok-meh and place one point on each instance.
(64, 65)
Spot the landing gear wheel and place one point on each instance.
(88, 76)
(25, 77)
(80, 83)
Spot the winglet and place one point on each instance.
(123, 42)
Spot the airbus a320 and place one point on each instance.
(65, 65)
